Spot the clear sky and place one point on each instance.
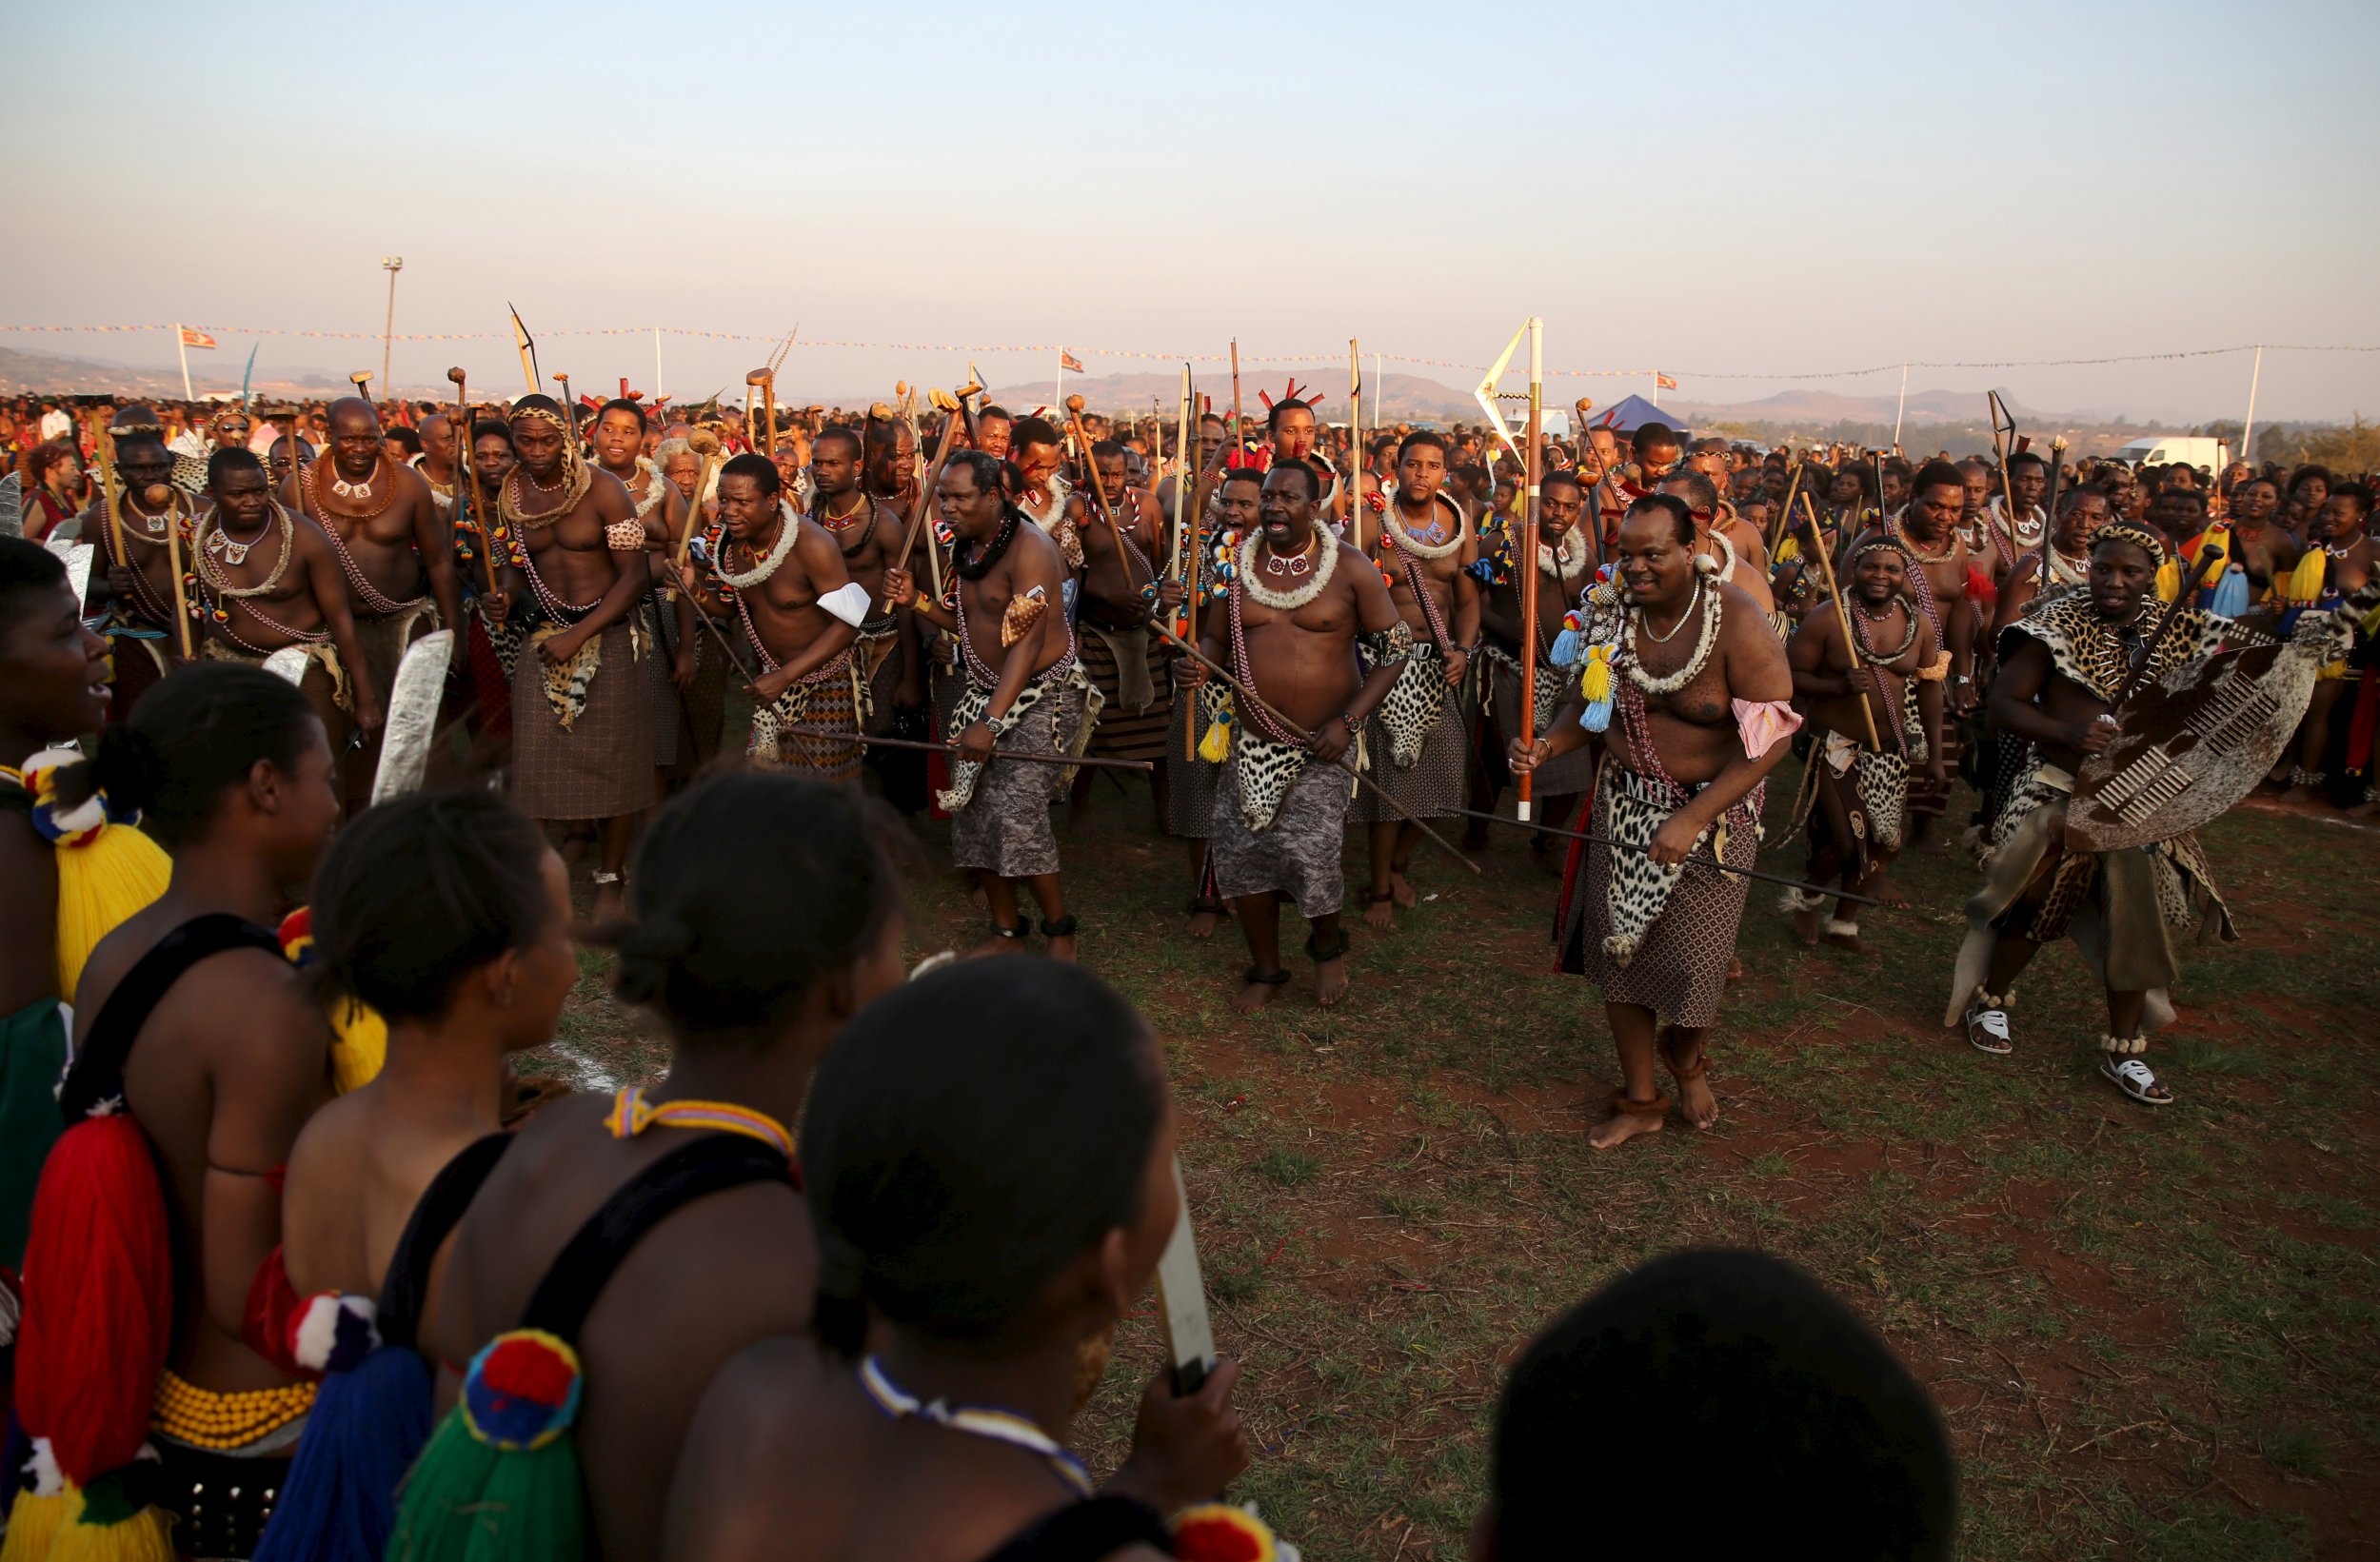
(1750, 188)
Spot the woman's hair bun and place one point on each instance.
(125, 764)
(649, 952)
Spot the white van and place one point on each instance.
(2166, 449)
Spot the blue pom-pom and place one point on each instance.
(1565, 652)
(2230, 594)
(1598, 716)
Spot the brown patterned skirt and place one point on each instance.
(825, 699)
(1567, 776)
(1679, 968)
(1190, 784)
(1434, 785)
(603, 766)
(1125, 733)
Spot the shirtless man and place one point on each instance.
(1049, 500)
(1699, 717)
(1710, 458)
(1565, 569)
(1417, 744)
(2342, 531)
(1744, 571)
(139, 590)
(782, 576)
(2063, 561)
(394, 548)
(436, 463)
(892, 463)
(1289, 423)
(619, 443)
(1025, 693)
(1124, 658)
(1300, 601)
(269, 579)
(871, 534)
(2027, 479)
(1925, 532)
(1859, 791)
(582, 709)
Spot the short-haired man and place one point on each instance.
(1025, 694)
(781, 576)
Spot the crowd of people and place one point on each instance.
(306, 1272)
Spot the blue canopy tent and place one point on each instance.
(1632, 413)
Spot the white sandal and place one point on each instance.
(1986, 1022)
(2134, 1078)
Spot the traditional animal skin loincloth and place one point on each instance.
(828, 698)
(1079, 707)
(1639, 889)
(1417, 696)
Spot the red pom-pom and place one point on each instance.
(1214, 1531)
(523, 1369)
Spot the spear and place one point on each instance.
(1842, 616)
(867, 740)
(1187, 541)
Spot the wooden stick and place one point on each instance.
(2002, 452)
(1784, 514)
(1189, 542)
(173, 561)
(1234, 441)
(1532, 464)
(926, 488)
(1842, 616)
(865, 741)
(1702, 862)
(1287, 725)
(103, 445)
(466, 495)
(1355, 443)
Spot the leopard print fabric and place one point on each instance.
(2086, 648)
(1639, 889)
(1266, 771)
(1415, 701)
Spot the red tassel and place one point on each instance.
(273, 1305)
(98, 1299)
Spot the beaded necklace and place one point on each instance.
(367, 596)
(986, 554)
(1292, 600)
(345, 489)
(1706, 637)
(840, 525)
(575, 483)
(210, 533)
(1257, 717)
(788, 527)
(1393, 519)
(986, 1421)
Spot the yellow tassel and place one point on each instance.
(1594, 682)
(2168, 581)
(2305, 584)
(1216, 747)
(147, 1536)
(359, 1045)
(100, 885)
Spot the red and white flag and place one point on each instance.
(1662, 381)
(1068, 362)
(195, 339)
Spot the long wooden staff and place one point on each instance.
(1533, 472)
(1090, 465)
(1842, 616)
(765, 381)
(1303, 736)
(1233, 441)
(466, 482)
(865, 741)
(2002, 450)
(1785, 512)
(707, 446)
(1543, 828)
(173, 561)
(1187, 540)
(103, 445)
(1354, 442)
(933, 480)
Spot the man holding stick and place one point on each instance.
(782, 576)
(141, 628)
(1700, 688)
(870, 534)
(1416, 740)
(1289, 627)
(1025, 694)
(1566, 568)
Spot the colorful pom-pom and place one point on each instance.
(523, 1390)
(1595, 679)
(333, 1331)
(1215, 1531)
(1565, 649)
(65, 828)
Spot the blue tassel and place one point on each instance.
(1565, 652)
(1597, 717)
(2230, 594)
(338, 1503)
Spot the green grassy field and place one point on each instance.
(2152, 1332)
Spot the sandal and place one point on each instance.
(1319, 956)
(2124, 1068)
(1986, 1022)
(1062, 928)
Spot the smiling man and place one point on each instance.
(1298, 606)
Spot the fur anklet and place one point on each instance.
(2123, 1046)
(2003, 1002)
(1838, 928)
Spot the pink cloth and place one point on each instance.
(1764, 723)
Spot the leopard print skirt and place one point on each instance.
(1663, 950)
(1297, 852)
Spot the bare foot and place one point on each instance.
(1254, 996)
(1062, 948)
(1404, 891)
(1203, 923)
(1330, 980)
(1380, 911)
(977, 894)
(1620, 1127)
(610, 902)
(1886, 891)
(1696, 1101)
